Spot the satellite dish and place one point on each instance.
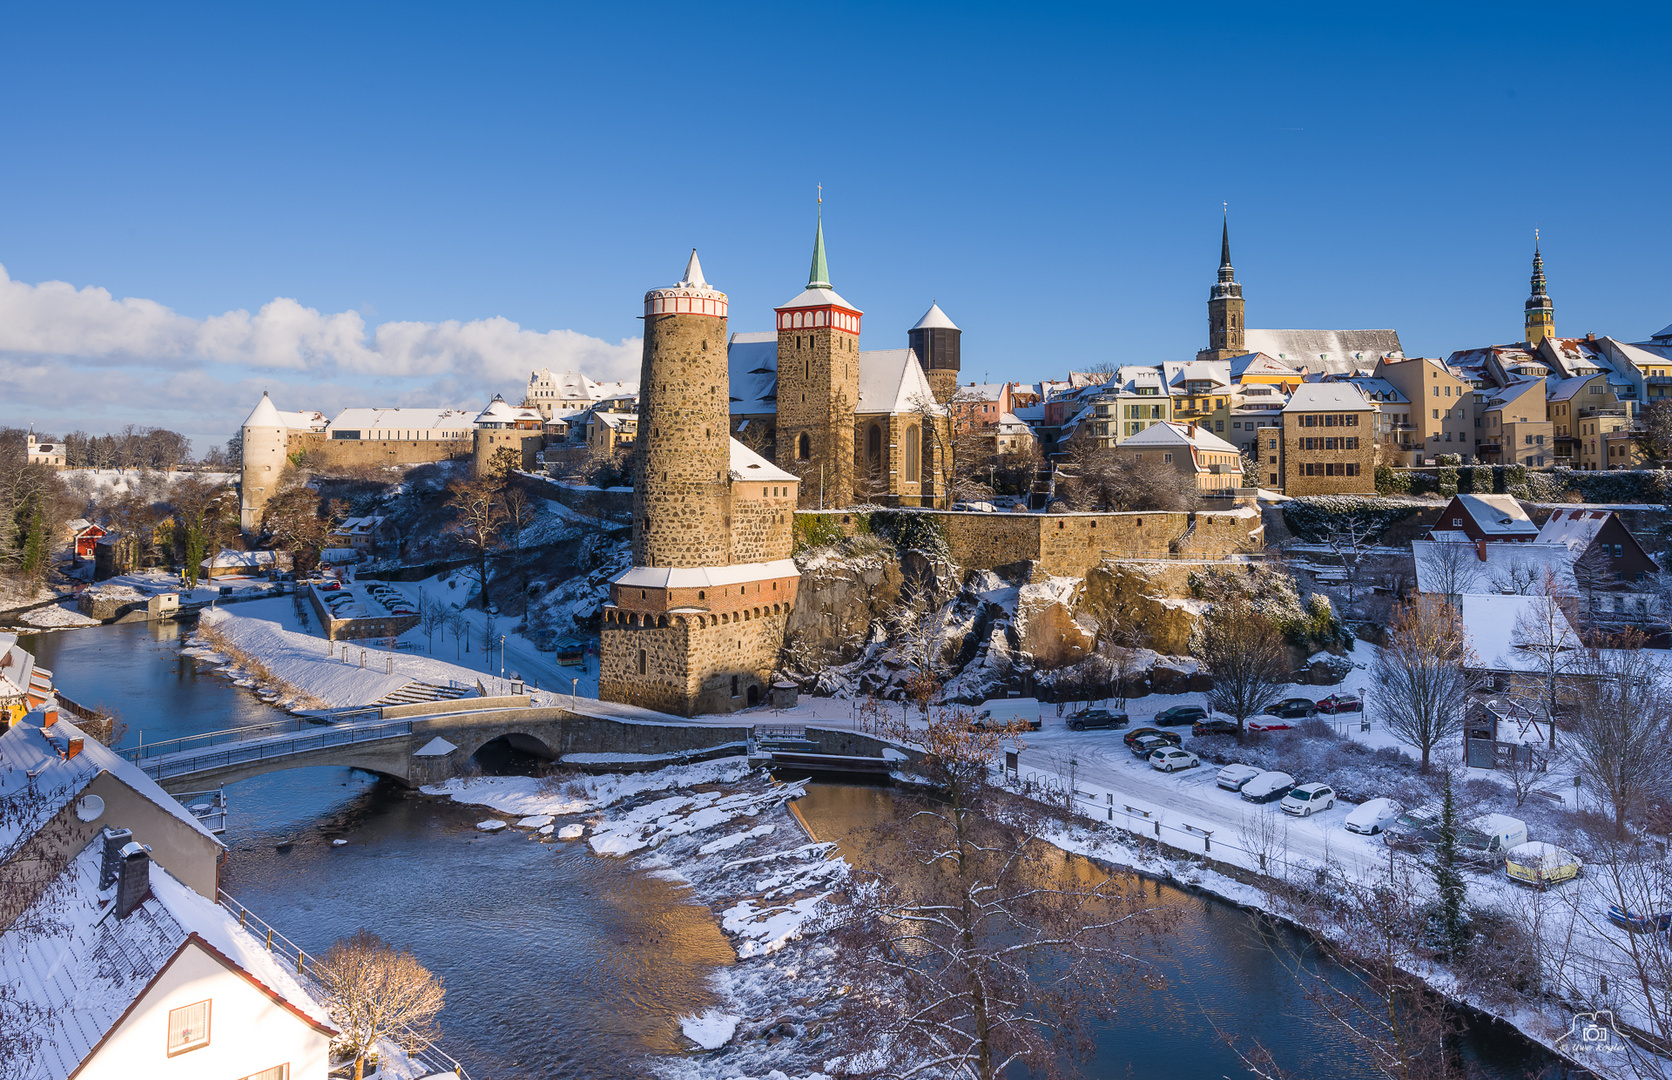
(89, 808)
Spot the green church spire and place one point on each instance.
(819, 276)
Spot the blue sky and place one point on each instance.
(1052, 175)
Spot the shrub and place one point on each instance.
(908, 530)
(1391, 481)
(818, 530)
(1310, 518)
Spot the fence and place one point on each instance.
(212, 738)
(307, 971)
(344, 736)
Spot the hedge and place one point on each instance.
(1310, 518)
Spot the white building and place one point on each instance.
(403, 425)
(571, 391)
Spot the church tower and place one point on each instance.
(818, 385)
(1541, 313)
(1225, 325)
(696, 624)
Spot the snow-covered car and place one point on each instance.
(986, 721)
(1484, 838)
(1541, 864)
(1234, 775)
(1268, 787)
(1340, 703)
(1413, 828)
(1308, 799)
(1370, 818)
(1267, 722)
(1171, 758)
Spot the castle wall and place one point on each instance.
(762, 526)
(489, 441)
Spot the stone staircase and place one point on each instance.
(415, 692)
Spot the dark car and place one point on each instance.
(1213, 727)
(1293, 708)
(1097, 718)
(1135, 734)
(986, 721)
(1179, 715)
(1145, 745)
(1340, 703)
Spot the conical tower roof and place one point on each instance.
(693, 278)
(819, 276)
(265, 414)
(934, 319)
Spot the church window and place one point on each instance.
(911, 455)
(873, 444)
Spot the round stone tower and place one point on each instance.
(937, 341)
(265, 440)
(682, 468)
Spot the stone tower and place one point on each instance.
(1541, 312)
(818, 385)
(697, 623)
(265, 441)
(1225, 325)
(937, 340)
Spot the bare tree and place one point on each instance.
(1622, 737)
(459, 627)
(971, 949)
(1422, 679)
(1519, 578)
(1247, 657)
(1594, 573)
(377, 992)
(1448, 568)
(432, 614)
(478, 515)
(1543, 632)
(1349, 537)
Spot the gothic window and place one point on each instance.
(911, 455)
(804, 447)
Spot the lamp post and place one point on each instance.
(574, 689)
(502, 663)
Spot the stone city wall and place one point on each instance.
(343, 452)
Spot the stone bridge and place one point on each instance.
(428, 742)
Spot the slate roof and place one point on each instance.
(1377, 389)
(1336, 352)
(752, 370)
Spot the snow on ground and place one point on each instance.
(525, 796)
(712, 1030)
(56, 617)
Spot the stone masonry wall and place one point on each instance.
(691, 664)
(1295, 459)
(761, 526)
(818, 387)
(488, 441)
(681, 476)
(345, 452)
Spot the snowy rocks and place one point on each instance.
(571, 832)
(838, 600)
(1325, 669)
(1047, 626)
(1153, 600)
(712, 1030)
(490, 825)
(534, 821)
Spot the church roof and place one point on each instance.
(819, 276)
(748, 465)
(817, 296)
(1334, 351)
(934, 319)
(752, 371)
(892, 381)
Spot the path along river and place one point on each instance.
(559, 963)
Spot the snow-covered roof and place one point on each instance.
(570, 384)
(1322, 397)
(752, 371)
(807, 298)
(246, 560)
(1489, 567)
(1214, 372)
(265, 414)
(703, 577)
(1663, 336)
(1497, 514)
(987, 391)
(1563, 389)
(91, 966)
(425, 419)
(1574, 529)
(31, 753)
(1337, 352)
(1508, 395)
(1257, 363)
(613, 420)
(1172, 433)
(934, 319)
(1378, 389)
(892, 381)
(748, 465)
(1575, 356)
(1489, 627)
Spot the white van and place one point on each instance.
(1490, 835)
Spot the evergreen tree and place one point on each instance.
(1448, 878)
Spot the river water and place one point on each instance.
(559, 963)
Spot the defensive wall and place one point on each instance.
(1068, 545)
(342, 452)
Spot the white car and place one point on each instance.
(1267, 787)
(1233, 776)
(1169, 758)
(1370, 818)
(1308, 799)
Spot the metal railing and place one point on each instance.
(306, 969)
(213, 738)
(343, 736)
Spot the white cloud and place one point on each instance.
(55, 319)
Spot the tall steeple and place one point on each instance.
(1541, 312)
(1225, 326)
(819, 276)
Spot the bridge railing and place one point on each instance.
(307, 972)
(136, 754)
(275, 748)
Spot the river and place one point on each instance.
(559, 963)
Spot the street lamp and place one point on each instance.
(574, 688)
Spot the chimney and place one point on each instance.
(115, 840)
(1480, 549)
(72, 749)
(50, 715)
(134, 881)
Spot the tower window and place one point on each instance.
(804, 447)
(641, 661)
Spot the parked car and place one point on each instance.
(1268, 787)
(1308, 799)
(1138, 733)
(1340, 703)
(1097, 718)
(1293, 708)
(1413, 828)
(1146, 745)
(986, 721)
(1233, 776)
(1171, 759)
(1267, 722)
(1541, 864)
(1180, 715)
(1627, 919)
(1372, 817)
(1213, 727)
(1490, 835)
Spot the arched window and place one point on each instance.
(912, 452)
(804, 447)
(873, 444)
